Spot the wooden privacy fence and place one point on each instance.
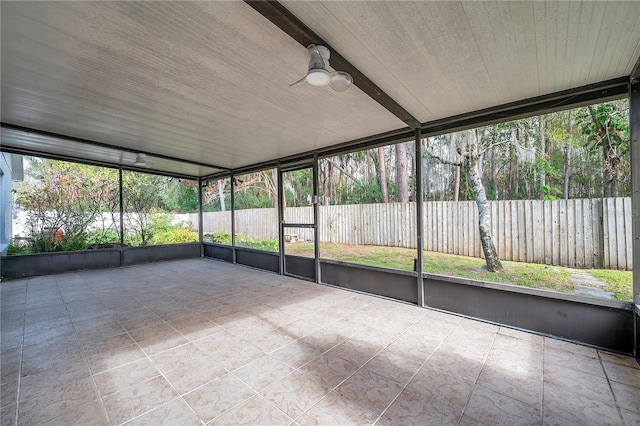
(581, 233)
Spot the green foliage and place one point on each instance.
(18, 246)
(101, 237)
(266, 244)
(174, 236)
(220, 237)
(551, 193)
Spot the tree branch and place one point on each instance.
(444, 161)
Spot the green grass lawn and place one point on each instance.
(517, 273)
(620, 283)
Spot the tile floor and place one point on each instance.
(203, 342)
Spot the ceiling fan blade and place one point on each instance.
(340, 81)
(298, 82)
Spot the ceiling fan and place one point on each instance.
(319, 74)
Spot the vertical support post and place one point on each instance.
(634, 124)
(121, 195)
(280, 219)
(316, 212)
(419, 222)
(233, 217)
(200, 216)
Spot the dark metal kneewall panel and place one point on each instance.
(597, 325)
(636, 318)
(303, 267)
(395, 285)
(219, 252)
(137, 255)
(258, 259)
(33, 265)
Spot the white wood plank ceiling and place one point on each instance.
(208, 81)
(439, 59)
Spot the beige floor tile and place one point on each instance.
(8, 415)
(518, 363)
(575, 361)
(8, 393)
(174, 412)
(60, 370)
(170, 340)
(328, 370)
(521, 335)
(200, 330)
(523, 386)
(622, 374)
(631, 418)
(219, 396)
(263, 372)
(92, 414)
(355, 351)
(334, 410)
(40, 401)
(493, 408)
(437, 387)
(628, 361)
(138, 399)
(300, 328)
(178, 357)
(570, 347)
(115, 358)
(96, 347)
(151, 332)
(118, 378)
(324, 339)
(412, 408)
(453, 365)
(412, 349)
(295, 394)
(255, 411)
(370, 391)
(564, 406)
(577, 382)
(517, 345)
(393, 366)
(297, 354)
(237, 356)
(627, 397)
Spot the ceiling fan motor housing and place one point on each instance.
(318, 74)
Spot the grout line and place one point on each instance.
(613, 395)
(24, 326)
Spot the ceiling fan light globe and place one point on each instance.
(340, 81)
(318, 77)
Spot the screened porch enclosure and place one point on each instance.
(468, 204)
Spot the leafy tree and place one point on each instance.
(63, 199)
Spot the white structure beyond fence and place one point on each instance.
(582, 233)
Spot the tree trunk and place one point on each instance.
(469, 143)
(456, 180)
(221, 183)
(382, 173)
(542, 153)
(402, 178)
(567, 158)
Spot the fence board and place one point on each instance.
(579, 239)
(582, 233)
(621, 249)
